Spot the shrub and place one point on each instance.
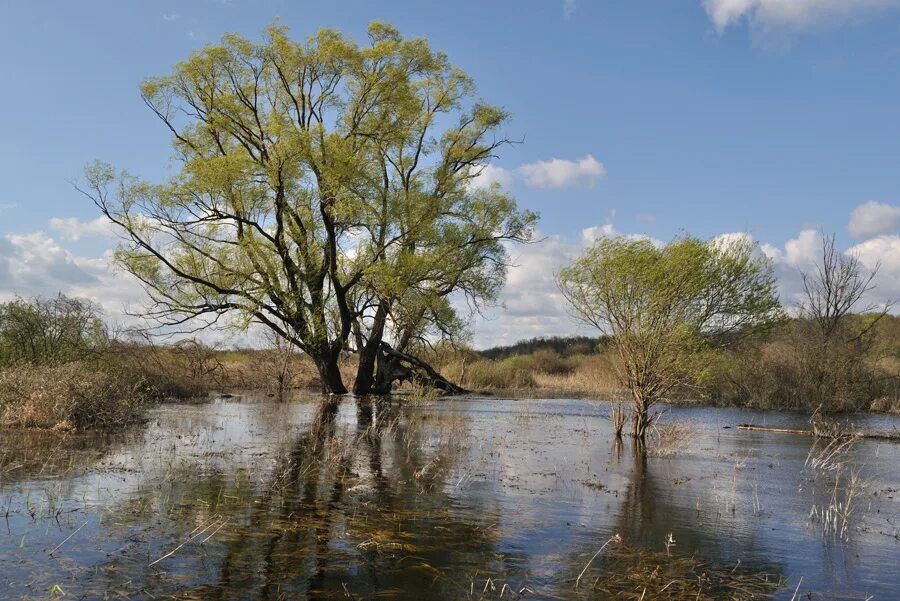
(70, 396)
(50, 330)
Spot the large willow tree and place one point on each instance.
(324, 190)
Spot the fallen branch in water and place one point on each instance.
(780, 430)
(869, 435)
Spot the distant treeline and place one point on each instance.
(564, 346)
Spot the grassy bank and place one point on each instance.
(71, 396)
(60, 369)
(782, 371)
(113, 387)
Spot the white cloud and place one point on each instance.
(492, 174)
(70, 228)
(873, 219)
(798, 254)
(531, 303)
(728, 240)
(804, 249)
(561, 173)
(768, 15)
(569, 7)
(882, 252)
(552, 174)
(802, 254)
(591, 234)
(35, 264)
(9, 205)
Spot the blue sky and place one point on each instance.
(766, 117)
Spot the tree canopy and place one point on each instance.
(324, 189)
(663, 305)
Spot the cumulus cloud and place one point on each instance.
(873, 219)
(804, 249)
(803, 253)
(768, 15)
(560, 173)
(552, 174)
(35, 264)
(492, 174)
(882, 253)
(591, 234)
(531, 304)
(71, 229)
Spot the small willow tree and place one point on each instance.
(324, 190)
(664, 305)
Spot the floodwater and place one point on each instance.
(247, 498)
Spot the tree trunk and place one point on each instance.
(368, 354)
(330, 375)
(640, 419)
(394, 365)
(365, 371)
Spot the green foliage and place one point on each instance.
(318, 180)
(664, 306)
(50, 330)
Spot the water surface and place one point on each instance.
(467, 498)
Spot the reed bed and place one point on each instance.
(70, 396)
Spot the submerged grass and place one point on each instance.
(388, 504)
(829, 460)
(629, 572)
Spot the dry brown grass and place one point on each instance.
(190, 370)
(543, 371)
(70, 396)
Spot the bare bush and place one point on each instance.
(836, 346)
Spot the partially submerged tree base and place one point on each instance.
(395, 366)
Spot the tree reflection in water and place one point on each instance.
(650, 552)
(354, 510)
